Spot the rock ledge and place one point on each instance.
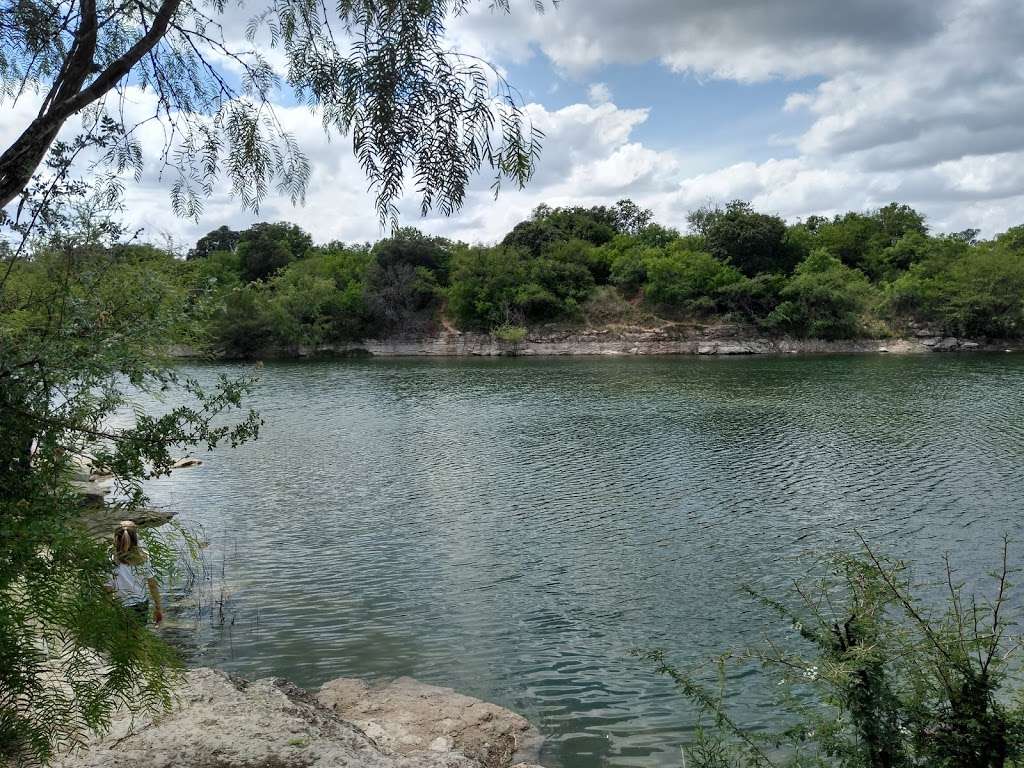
(225, 722)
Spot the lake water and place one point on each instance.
(512, 528)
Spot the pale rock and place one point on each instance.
(416, 716)
(223, 722)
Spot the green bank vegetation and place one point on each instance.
(270, 289)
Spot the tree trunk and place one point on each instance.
(67, 96)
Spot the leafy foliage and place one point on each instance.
(79, 329)
(880, 678)
(560, 267)
(751, 242)
(380, 73)
(825, 299)
(263, 249)
(680, 277)
(597, 225)
(222, 239)
(972, 291)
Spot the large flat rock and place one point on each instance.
(223, 722)
(408, 716)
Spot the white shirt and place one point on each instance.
(129, 581)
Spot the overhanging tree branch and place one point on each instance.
(67, 96)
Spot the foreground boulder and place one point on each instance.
(224, 722)
(407, 716)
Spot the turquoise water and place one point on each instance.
(512, 528)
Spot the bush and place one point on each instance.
(494, 286)
(627, 259)
(678, 277)
(970, 291)
(71, 655)
(878, 680)
(825, 299)
(753, 299)
(483, 286)
(579, 252)
(401, 298)
(510, 336)
(245, 323)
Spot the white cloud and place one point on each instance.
(738, 39)
(916, 100)
(960, 94)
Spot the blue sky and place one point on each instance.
(701, 116)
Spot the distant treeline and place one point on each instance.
(876, 274)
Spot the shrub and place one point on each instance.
(493, 286)
(579, 252)
(824, 299)
(678, 277)
(510, 334)
(245, 323)
(627, 258)
(878, 679)
(483, 286)
(971, 291)
(753, 299)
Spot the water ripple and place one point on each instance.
(512, 528)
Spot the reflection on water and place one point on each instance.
(512, 528)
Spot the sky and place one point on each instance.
(799, 106)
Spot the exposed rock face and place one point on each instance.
(407, 717)
(223, 722)
(669, 339)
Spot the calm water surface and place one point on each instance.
(512, 528)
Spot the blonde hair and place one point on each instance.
(126, 544)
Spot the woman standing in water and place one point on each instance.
(133, 574)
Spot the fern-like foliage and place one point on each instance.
(81, 326)
(420, 116)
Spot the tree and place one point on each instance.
(750, 241)
(63, 376)
(859, 239)
(484, 285)
(974, 291)
(410, 246)
(630, 219)
(412, 106)
(414, 109)
(263, 249)
(850, 238)
(221, 239)
(898, 220)
(547, 226)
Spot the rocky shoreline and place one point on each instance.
(672, 339)
(222, 721)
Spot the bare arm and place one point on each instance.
(154, 592)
